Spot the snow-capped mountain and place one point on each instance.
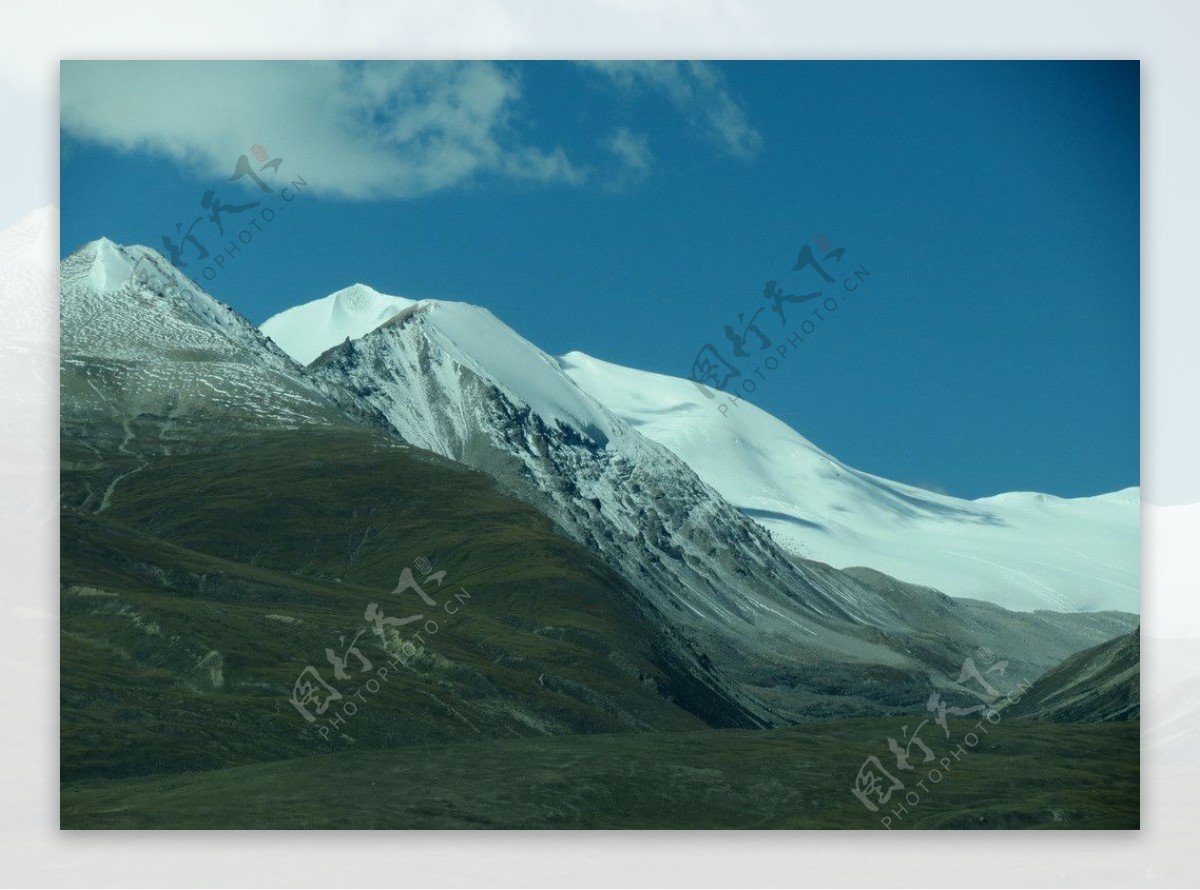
(350, 313)
(146, 351)
(770, 631)
(1023, 551)
(451, 378)
(466, 337)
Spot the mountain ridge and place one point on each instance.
(765, 638)
(1024, 550)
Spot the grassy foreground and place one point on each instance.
(1020, 774)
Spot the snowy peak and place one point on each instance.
(110, 270)
(142, 344)
(476, 339)
(131, 303)
(304, 332)
(470, 336)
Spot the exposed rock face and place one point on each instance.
(783, 638)
(1097, 685)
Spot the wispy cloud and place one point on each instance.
(698, 91)
(632, 153)
(356, 130)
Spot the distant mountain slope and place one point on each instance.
(1023, 551)
(1097, 685)
(785, 638)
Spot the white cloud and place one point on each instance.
(698, 91)
(634, 155)
(357, 130)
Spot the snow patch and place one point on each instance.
(110, 270)
(304, 332)
(1021, 550)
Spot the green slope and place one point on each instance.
(192, 603)
(1019, 775)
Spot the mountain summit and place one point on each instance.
(1023, 551)
(306, 331)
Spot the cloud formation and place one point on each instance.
(632, 153)
(356, 130)
(698, 91)
(375, 130)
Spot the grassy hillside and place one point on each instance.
(194, 600)
(1019, 775)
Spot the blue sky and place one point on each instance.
(633, 211)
